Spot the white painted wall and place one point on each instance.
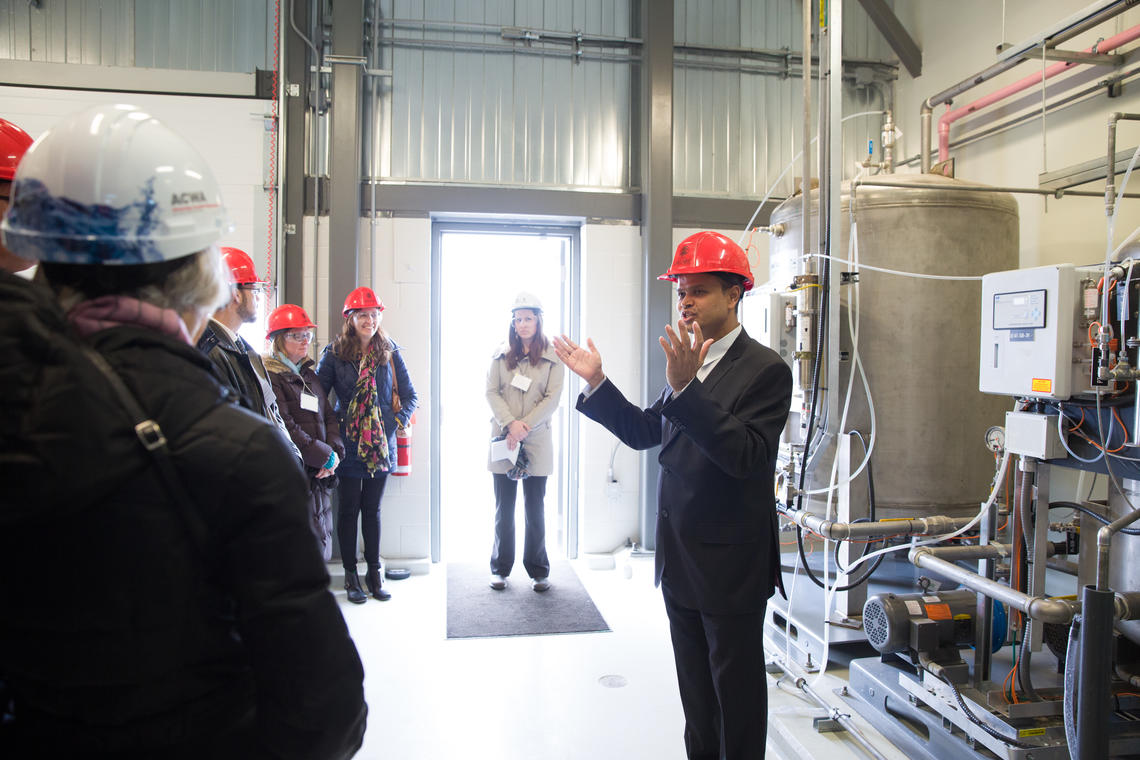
(958, 40)
(228, 132)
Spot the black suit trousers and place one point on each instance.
(723, 684)
(535, 560)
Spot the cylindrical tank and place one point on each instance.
(918, 338)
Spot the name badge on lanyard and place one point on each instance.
(309, 402)
(521, 382)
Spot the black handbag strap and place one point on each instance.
(151, 437)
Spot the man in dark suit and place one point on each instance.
(718, 423)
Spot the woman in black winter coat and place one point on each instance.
(306, 412)
(197, 620)
(374, 397)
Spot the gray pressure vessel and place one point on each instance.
(918, 338)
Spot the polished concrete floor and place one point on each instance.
(563, 697)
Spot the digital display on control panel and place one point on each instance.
(1020, 310)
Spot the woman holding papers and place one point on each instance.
(523, 389)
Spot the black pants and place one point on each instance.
(723, 684)
(535, 561)
(360, 497)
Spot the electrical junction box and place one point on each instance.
(1033, 435)
(1034, 331)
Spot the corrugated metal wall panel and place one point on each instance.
(736, 131)
(195, 35)
(475, 115)
(467, 114)
(75, 31)
(204, 35)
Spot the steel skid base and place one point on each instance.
(801, 625)
(922, 718)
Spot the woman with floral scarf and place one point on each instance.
(374, 398)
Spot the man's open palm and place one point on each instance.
(586, 363)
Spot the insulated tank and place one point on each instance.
(918, 338)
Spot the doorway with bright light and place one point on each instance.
(478, 269)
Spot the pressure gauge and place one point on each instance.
(995, 439)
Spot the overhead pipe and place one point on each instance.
(948, 118)
(1058, 194)
(1084, 19)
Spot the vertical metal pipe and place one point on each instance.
(344, 149)
(656, 226)
(984, 617)
(808, 299)
(805, 186)
(832, 131)
(1110, 173)
(1136, 409)
(370, 134)
(927, 121)
(1093, 692)
(295, 83)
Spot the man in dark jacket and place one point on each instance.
(200, 623)
(718, 422)
(239, 366)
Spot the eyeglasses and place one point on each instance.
(300, 336)
(256, 287)
(373, 316)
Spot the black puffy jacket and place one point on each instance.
(120, 634)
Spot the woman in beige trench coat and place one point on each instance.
(524, 386)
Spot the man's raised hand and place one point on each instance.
(683, 357)
(586, 363)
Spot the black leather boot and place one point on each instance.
(356, 594)
(372, 579)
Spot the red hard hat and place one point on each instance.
(241, 266)
(361, 298)
(288, 316)
(14, 143)
(708, 252)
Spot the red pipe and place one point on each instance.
(1111, 43)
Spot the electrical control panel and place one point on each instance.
(1035, 331)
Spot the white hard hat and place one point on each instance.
(113, 185)
(526, 300)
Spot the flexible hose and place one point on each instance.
(1085, 510)
(1028, 538)
(1072, 660)
(878, 560)
(982, 724)
(1023, 676)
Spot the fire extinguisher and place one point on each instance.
(404, 448)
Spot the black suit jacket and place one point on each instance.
(716, 515)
